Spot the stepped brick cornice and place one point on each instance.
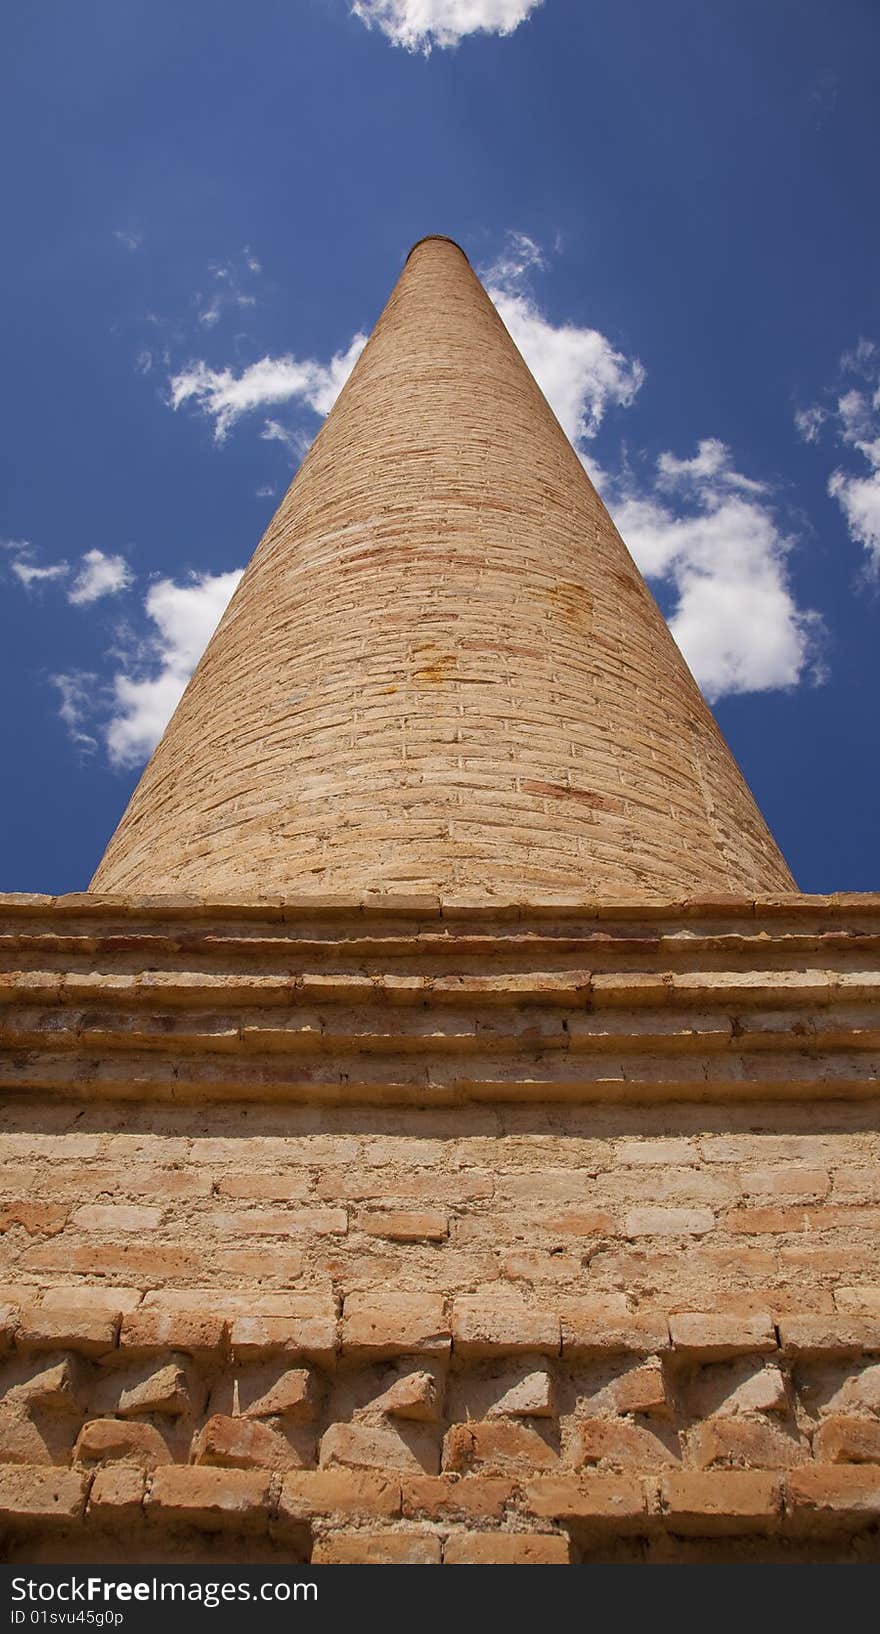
(442, 669)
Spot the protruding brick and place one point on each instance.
(733, 1501)
(483, 1327)
(117, 1493)
(829, 1335)
(241, 1443)
(41, 1496)
(617, 1500)
(494, 1447)
(714, 1336)
(532, 1397)
(746, 1443)
(292, 1394)
(404, 1548)
(415, 1396)
(216, 1499)
(641, 1390)
(384, 1325)
(338, 1491)
(381, 1446)
(91, 1333)
(619, 1445)
(111, 1439)
(842, 1439)
(506, 1549)
(589, 1329)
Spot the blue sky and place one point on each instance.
(674, 205)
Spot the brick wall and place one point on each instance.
(442, 668)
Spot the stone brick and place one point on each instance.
(384, 1325)
(213, 1499)
(113, 1217)
(482, 1327)
(590, 1327)
(404, 1548)
(292, 1394)
(381, 1447)
(847, 1440)
(789, 1183)
(257, 1222)
(620, 1445)
(339, 1491)
(453, 1497)
(641, 1390)
(306, 1329)
(494, 1447)
(531, 1397)
(38, 1219)
(764, 1392)
(91, 1333)
(415, 1396)
(165, 1391)
(744, 1442)
(618, 1500)
(110, 1439)
(839, 1491)
(829, 1335)
(111, 1301)
(429, 1226)
(506, 1549)
(715, 1336)
(58, 1387)
(732, 1501)
(41, 1497)
(666, 1152)
(240, 1443)
(155, 1329)
(668, 1222)
(117, 1493)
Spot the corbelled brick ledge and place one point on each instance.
(404, 1429)
(419, 1001)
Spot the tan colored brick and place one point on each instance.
(429, 1226)
(113, 1217)
(618, 1500)
(506, 1549)
(620, 1445)
(379, 1325)
(307, 1329)
(744, 1442)
(154, 1329)
(112, 1439)
(714, 1337)
(90, 1333)
(494, 1447)
(840, 1490)
(592, 1327)
(484, 1327)
(829, 1335)
(452, 1497)
(729, 1501)
(841, 1439)
(31, 1496)
(668, 1222)
(240, 1443)
(789, 1183)
(641, 1390)
(36, 1218)
(666, 1151)
(381, 1447)
(216, 1499)
(260, 1222)
(338, 1491)
(117, 1493)
(404, 1548)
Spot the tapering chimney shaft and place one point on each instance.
(442, 669)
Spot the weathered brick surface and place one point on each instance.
(499, 743)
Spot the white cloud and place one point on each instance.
(419, 25)
(78, 693)
(131, 239)
(225, 397)
(145, 695)
(723, 555)
(855, 419)
(98, 576)
(577, 369)
(28, 573)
